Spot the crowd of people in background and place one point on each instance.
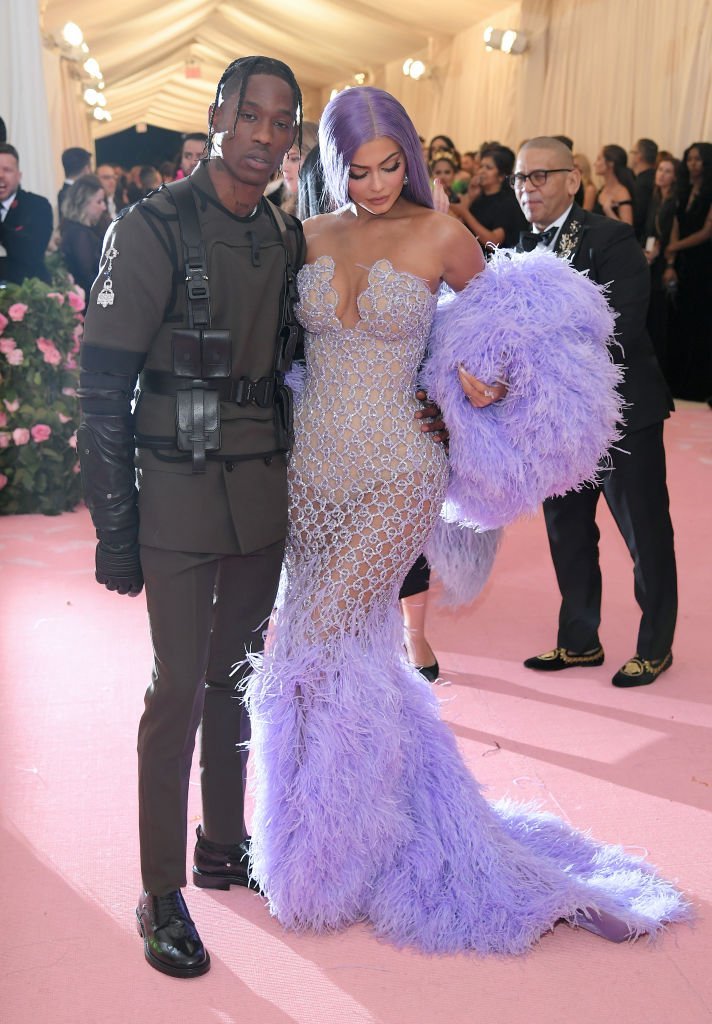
(665, 198)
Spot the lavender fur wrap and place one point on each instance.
(533, 321)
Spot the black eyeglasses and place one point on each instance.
(537, 178)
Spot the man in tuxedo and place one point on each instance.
(642, 161)
(634, 486)
(76, 162)
(25, 224)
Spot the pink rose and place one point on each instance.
(56, 295)
(12, 406)
(72, 442)
(7, 345)
(61, 417)
(76, 299)
(3, 419)
(17, 311)
(3, 322)
(70, 363)
(3, 481)
(53, 356)
(21, 435)
(4, 439)
(41, 432)
(16, 357)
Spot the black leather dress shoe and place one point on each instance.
(218, 867)
(560, 658)
(170, 939)
(641, 671)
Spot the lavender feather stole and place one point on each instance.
(365, 810)
(532, 320)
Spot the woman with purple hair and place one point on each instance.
(364, 809)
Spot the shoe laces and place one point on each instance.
(169, 909)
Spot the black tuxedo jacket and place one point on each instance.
(609, 252)
(25, 234)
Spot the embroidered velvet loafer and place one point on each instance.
(560, 658)
(170, 939)
(640, 671)
(218, 867)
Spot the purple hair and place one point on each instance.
(360, 115)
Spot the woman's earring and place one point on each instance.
(405, 179)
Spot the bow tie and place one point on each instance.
(530, 239)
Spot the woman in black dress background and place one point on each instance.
(83, 207)
(658, 230)
(689, 261)
(493, 216)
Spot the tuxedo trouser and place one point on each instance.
(205, 611)
(636, 492)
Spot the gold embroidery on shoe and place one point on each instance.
(637, 666)
(579, 659)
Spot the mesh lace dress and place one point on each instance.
(364, 809)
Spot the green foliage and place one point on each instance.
(39, 412)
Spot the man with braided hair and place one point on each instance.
(207, 440)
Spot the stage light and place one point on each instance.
(507, 40)
(72, 34)
(415, 69)
(92, 68)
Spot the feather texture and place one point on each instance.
(533, 321)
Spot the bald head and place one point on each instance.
(544, 201)
(550, 145)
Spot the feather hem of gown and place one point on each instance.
(365, 810)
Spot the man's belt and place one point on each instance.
(242, 391)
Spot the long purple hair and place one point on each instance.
(359, 115)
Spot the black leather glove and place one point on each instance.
(118, 567)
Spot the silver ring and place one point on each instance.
(488, 393)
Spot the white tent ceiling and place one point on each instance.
(143, 48)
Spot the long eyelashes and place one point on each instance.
(388, 170)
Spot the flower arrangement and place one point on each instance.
(40, 331)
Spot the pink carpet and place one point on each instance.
(634, 766)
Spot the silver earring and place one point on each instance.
(405, 179)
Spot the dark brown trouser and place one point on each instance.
(204, 612)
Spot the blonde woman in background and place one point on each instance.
(292, 165)
(583, 165)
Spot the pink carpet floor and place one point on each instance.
(634, 766)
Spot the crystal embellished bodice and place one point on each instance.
(365, 484)
(355, 419)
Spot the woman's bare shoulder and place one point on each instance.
(325, 223)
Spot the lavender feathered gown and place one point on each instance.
(364, 809)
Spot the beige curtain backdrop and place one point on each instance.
(601, 71)
(23, 95)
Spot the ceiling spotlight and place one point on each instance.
(493, 37)
(92, 68)
(506, 40)
(72, 34)
(360, 77)
(91, 96)
(415, 69)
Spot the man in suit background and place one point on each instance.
(642, 161)
(25, 223)
(545, 182)
(76, 162)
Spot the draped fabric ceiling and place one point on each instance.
(145, 48)
(600, 71)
